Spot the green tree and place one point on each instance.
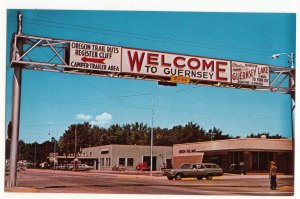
(217, 134)
(258, 135)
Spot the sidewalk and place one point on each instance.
(21, 189)
(158, 174)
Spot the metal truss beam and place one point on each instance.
(58, 62)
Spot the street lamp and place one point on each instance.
(75, 150)
(34, 162)
(54, 155)
(54, 150)
(290, 56)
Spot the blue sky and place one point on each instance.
(53, 101)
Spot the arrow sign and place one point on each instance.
(94, 60)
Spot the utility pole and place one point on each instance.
(54, 156)
(151, 145)
(17, 80)
(34, 163)
(75, 151)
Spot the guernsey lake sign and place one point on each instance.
(249, 73)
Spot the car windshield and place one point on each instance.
(211, 166)
(185, 166)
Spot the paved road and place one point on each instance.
(92, 182)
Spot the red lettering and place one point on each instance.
(220, 70)
(189, 63)
(163, 63)
(135, 60)
(152, 59)
(175, 62)
(208, 65)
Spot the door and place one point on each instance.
(201, 170)
(147, 159)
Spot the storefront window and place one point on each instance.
(255, 161)
(261, 160)
(169, 164)
(104, 152)
(236, 157)
(129, 162)
(101, 162)
(107, 162)
(122, 161)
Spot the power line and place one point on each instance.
(144, 35)
(161, 108)
(91, 85)
(41, 125)
(155, 93)
(176, 43)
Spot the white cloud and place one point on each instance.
(102, 119)
(83, 117)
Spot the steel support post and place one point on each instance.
(16, 93)
(292, 86)
(17, 79)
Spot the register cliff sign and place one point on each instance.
(95, 57)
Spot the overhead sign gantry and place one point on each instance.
(76, 57)
(115, 61)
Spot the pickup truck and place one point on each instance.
(199, 171)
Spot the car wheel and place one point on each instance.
(199, 178)
(178, 176)
(209, 177)
(170, 178)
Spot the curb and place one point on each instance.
(21, 189)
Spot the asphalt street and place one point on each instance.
(49, 181)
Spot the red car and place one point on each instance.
(142, 167)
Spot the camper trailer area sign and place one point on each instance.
(95, 57)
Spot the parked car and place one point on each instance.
(69, 166)
(166, 169)
(84, 167)
(118, 167)
(43, 165)
(7, 167)
(142, 167)
(207, 170)
(237, 168)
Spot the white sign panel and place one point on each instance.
(249, 73)
(95, 57)
(142, 62)
(187, 152)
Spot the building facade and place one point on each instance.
(128, 155)
(254, 154)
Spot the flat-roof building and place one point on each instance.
(254, 154)
(128, 155)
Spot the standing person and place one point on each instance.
(242, 168)
(273, 170)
